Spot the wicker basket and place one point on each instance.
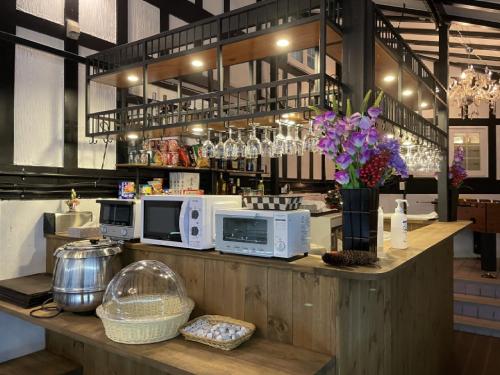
(214, 319)
(142, 330)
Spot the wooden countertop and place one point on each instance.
(178, 356)
(419, 240)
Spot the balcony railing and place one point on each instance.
(388, 35)
(405, 118)
(294, 94)
(240, 23)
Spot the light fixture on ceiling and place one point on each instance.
(389, 78)
(132, 136)
(407, 92)
(424, 105)
(282, 42)
(132, 78)
(197, 129)
(197, 63)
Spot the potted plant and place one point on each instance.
(456, 175)
(364, 161)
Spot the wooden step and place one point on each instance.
(477, 287)
(480, 300)
(476, 306)
(40, 363)
(477, 326)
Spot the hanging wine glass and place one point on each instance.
(299, 144)
(219, 148)
(279, 142)
(207, 149)
(310, 140)
(290, 146)
(230, 151)
(240, 146)
(254, 148)
(267, 145)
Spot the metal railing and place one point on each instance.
(294, 94)
(390, 38)
(405, 118)
(240, 23)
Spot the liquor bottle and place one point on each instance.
(237, 187)
(260, 187)
(220, 184)
(230, 185)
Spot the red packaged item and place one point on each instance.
(173, 145)
(184, 157)
(172, 159)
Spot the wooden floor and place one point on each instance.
(476, 354)
(470, 269)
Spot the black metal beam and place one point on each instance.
(453, 33)
(474, 21)
(183, 9)
(7, 67)
(395, 9)
(461, 55)
(432, 43)
(473, 4)
(71, 92)
(437, 10)
(121, 38)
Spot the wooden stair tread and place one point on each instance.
(40, 363)
(481, 323)
(475, 279)
(476, 299)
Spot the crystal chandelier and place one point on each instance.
(474, 88)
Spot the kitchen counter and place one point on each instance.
(364, 317)
(177, 356)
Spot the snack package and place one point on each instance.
(201, 162)
(146, 189)
(192, 158)
(126, 190)
(184, 157)
(173, 145)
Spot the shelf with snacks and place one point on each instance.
(194, 169)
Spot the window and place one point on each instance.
(298, 55)
(474, 140)
(311, 57)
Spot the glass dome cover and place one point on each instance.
(145, 290)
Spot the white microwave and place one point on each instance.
(280, 234)
(120, 218)
(183, 220)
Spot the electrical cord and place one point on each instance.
(46, 309)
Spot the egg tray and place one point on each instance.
(214, 319)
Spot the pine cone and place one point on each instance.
(349, 258)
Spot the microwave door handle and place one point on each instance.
(182, 224)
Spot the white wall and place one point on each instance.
(143, 20)
(23, 253)
(38, 103)
(98, 18)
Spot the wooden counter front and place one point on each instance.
(392, 318)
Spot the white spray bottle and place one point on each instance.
(399, 226)
(380, 231)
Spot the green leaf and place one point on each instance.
(366, 99)
(316, 110)
(335, 104)
(379, 99)
(348, 111)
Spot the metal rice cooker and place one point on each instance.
(82, 272)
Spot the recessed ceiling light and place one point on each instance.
(197, 63)
(197, 129)
(407, 92)
(424, 105)
(132, 136)
(389, 78)
(282, 42)
(133, 78)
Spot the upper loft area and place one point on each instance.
(192, 76)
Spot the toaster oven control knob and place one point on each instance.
(195, 231)
(280, 245)
(195, 214)
(123, 232)
(104, 229)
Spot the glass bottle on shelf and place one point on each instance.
(260, 187)
(230, 186)
(237, 187)
(220, 184)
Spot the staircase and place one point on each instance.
(476, 299)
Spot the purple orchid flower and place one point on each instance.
(344, 160)
(349, 147)
(365, 156)
(374, 112)
(372, 136)
(342, 177)
(358, 139)
(365, 123)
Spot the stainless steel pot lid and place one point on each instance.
(93, 248)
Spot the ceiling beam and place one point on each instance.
(454, 33)
(437, 10)
(400, 18)
(461, 55)
(474, 21)
(401, 10)
(433, 43)
(468, 4)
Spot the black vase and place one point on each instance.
(359, 216)
(452, 204)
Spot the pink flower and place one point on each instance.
(344, 160)
(342, 177)
(357, 139)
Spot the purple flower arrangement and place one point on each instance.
(457, 173)
(363, 158)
